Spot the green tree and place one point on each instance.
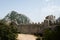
(17, 18)
(52, 34)
(47, 34)
(8, 32)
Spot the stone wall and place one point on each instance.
(32, 28)
(29, 28)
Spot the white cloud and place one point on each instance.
(48, 0)
(51, 10)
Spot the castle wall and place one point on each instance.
(29, 28)
(32, 28)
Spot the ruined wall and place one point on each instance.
(29, 28)
(32, 28)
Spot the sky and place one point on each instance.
(36, 10)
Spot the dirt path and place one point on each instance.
(26, 37)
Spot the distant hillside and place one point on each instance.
(17, 18)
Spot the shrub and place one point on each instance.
(7, 32)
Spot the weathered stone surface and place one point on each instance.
(29, 28)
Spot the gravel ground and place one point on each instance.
(26, 37)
